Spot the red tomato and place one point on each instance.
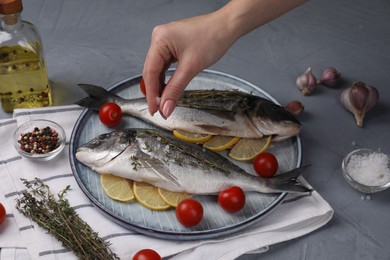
(265, 164)
(232, 199)
(110, 114)
(189, 212)
(2, 213)
(146, 254)
(142, 86)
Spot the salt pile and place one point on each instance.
(369, 169)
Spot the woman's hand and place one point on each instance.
(197, 43)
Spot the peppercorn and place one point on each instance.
(39, 141)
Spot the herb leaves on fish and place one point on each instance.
(172, 147)
(231, 100)
(135, 162)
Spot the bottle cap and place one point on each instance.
(10, 6)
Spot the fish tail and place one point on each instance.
(287, 182)
(97, 97)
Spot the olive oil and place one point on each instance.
(23, 77)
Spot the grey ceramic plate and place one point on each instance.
(163, 224)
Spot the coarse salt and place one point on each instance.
(369, 169)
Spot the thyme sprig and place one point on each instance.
(230, 100)
(177, 151)
(62, 221)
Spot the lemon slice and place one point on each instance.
(191, 137)
(247, 149)
(172, 198)
(219, 143)
(147, 195)
(117, 188)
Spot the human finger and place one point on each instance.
(175, 88)
(153, 68)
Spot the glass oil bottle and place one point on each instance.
(23, 77)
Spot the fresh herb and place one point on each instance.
(135, 162)
(229, 100)
(180, 152)
(148, 147)
(62, 221)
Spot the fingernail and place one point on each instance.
(168, 107)
(151, 113)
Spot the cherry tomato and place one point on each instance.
(142, 86)
(147, 254)
(265, 164)
(189, 212)
(110, 114)
(2, 213)
(232, 199)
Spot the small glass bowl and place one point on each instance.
(40, 123)
(356, 184)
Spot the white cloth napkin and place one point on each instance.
(297, 215)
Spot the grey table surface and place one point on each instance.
(103, 42)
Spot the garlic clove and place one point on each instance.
(306, 82)
(330, 77)
(359, 99)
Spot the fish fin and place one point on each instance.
(159, 168)
(95, 91)
(287, 182)
(97, 96)
(293, 174)
(90, 102)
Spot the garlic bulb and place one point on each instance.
(359, 99)
(306, 82)
(330, 77)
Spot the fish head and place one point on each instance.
(104, 148)
(280, 131)
(272, 119)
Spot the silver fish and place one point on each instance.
(164, 161)
(212, 112)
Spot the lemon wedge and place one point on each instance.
(172, 198)
(117, 188)
(247, 149)
(191, 137)
(219, 143)
(147, 195)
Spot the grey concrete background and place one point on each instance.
(103, 42)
